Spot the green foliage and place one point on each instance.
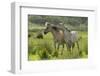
(40, 49)
(68, 20)
(43, 49)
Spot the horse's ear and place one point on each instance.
(61, 23)
(55, 28)
(68, 29)
(47, 23)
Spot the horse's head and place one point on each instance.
(68, 29)
(50, 28)
(47, 29)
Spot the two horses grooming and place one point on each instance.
(62, 35)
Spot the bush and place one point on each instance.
(45, 50)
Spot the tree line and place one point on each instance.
(69, 20)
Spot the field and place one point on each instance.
(43, 49)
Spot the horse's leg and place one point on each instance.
(58, 46)
(62, 49)
(73, 45)
(68, 48)
(55, 52)
(55, 45)
(78, 47)
(69, 45)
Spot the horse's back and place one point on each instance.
(74, 36)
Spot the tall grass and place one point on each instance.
(42, 49)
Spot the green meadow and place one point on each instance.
(43, 49)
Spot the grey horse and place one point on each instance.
(70, 37)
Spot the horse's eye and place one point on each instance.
(47, 27)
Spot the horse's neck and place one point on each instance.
(58, 35)
(67, 35)
(54, 33)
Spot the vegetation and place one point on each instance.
(43, 49)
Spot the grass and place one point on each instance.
(43, 49)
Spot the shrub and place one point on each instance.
(45, 50)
